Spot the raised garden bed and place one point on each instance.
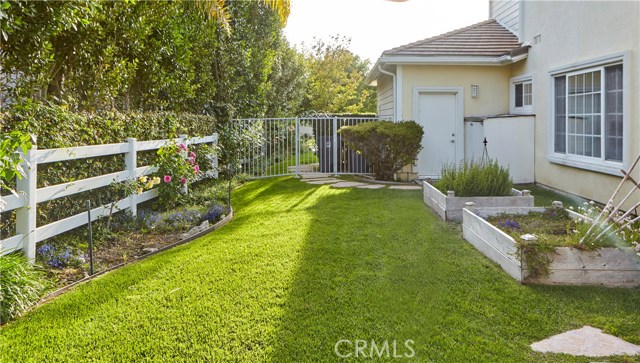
(449, 207)
(608, 266)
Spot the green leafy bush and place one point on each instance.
(21, 286)
(55, 127)
(10, 161)
(176, 168)
(475, 179)
(387, 146)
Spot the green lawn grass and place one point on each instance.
(282, 167)
(301, 267)
(543, 197)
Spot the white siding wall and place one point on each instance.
(507, 13)
(385, 97)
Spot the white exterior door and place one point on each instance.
(439, 114)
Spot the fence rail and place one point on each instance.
(290, 146)
(28, 234)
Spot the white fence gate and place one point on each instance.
(290, 146)
(28, 234)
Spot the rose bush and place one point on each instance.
(177, 167)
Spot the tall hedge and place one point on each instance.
(56, 127)
(387, 146)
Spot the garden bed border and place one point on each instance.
(609, 266)
(449, 207)
(64, 289)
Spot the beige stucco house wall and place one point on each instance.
(574, 36)
(492, 81)
(552, 39)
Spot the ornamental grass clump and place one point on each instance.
(21, 286)
(475, 179)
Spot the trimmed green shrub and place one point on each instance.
(387, 146)
(21, 286)
(475, 179)
(56, 127)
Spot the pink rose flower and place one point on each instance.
(183, 147)
(192, 155)
(192, 161)
(183, 180)
(167, 178)
(196, 168)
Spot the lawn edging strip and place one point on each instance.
(64, 289)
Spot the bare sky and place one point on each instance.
(378, 25)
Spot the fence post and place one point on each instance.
(184, 139)
(297, 147)
(27, 187)
(335, 146)
(131, 162)
(214, 161)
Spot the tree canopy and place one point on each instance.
(336, 78)
(165, 55)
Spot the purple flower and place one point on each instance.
(509, 223)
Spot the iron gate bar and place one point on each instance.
(291, 146)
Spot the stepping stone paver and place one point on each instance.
(405, 187)
(346, 184)
(371, 186)
(586, 341)
(318, 179)
(323, 181)
(315, 175)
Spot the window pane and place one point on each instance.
(518, 92)
(614, 113)
(584, 112)
(527, 94)
(560, 116)
(597, 147)
(588, 126)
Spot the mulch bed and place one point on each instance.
(113, 253)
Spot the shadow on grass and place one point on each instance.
(377, 266)
(360, 277)
(301, 267)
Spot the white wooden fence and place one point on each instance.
(28, 234)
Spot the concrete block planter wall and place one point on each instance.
(615, 267)
(449, 207)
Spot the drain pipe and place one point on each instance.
(395, 91)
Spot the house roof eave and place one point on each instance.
(374, 73)
(441, 60)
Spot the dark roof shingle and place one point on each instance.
(487, 38)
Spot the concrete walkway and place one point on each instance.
(329, 179)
